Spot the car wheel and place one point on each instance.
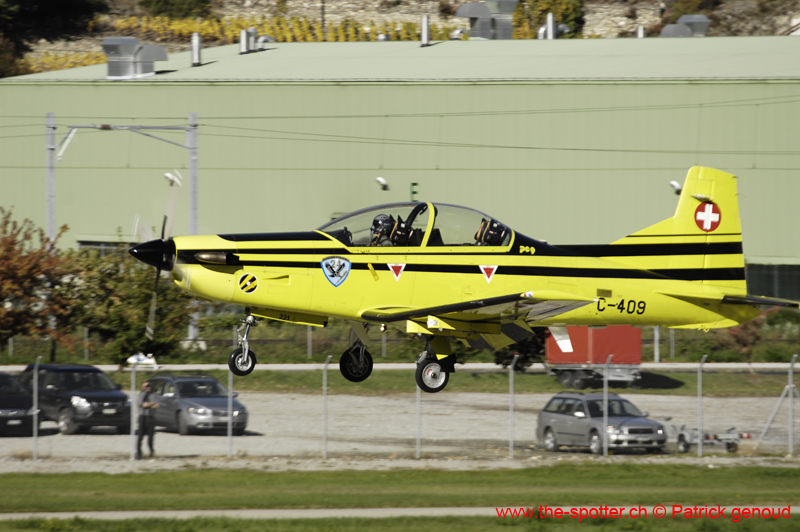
(67, 425)
(595, 443)
(123, 429)
(238, 432)
(550, 442)
(183, 426)
(732, 447)
(683, 445)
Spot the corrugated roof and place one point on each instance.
(713, 58)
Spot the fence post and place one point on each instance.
(36, 408)
(134, 407)
(308, 342)
(325, 408)
(792, 392)
(605, 406)
(383, 345)
(86, 343)
(700, 407)
(11, 347)
(230, 413)
(511, 407)
(656, 344)
(419, 423)
(672, 343)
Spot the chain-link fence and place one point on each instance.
(288, 413)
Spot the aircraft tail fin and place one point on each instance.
(703, 240)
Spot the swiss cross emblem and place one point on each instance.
(707, 216)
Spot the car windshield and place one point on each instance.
(9, 384)
(204, 388)
(83, 380)
(616, 408)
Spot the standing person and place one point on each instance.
(147, 422)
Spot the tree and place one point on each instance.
(35, 283)
(20, 19)
(115, 292)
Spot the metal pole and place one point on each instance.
(672, 343)
(383, 345)
(325, 408)
(308, 342)
(36, 409)
(511, 408)
(791, 405)
(656, 344)
(134, 408)
(700, 407)
(419, 423)
(51, 176)
(230, 413)
(86, 343)
(11, 347)
(605, 406)
(191, 144)
(235, 336)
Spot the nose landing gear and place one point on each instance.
(433, 374)
(242, 361)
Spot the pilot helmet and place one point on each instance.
(382, 225)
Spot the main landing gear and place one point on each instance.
(242, 361)
(356, 363)
(432, 373)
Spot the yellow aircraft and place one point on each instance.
(445, 272)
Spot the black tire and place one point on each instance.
(550, 441)
(564, 378)
(580, 380)
(683, 445)
(66, 423)
(352, 370)
(123, 429)
(430, 377)
(732, 447)
(595, 443)
(238, 432)
(183, 427)
(238, 365)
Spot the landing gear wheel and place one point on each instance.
(595, 443)
(240, 364)
(67, 425)
(430, 376)
(355, 367)
(683, 446)
(550, 442)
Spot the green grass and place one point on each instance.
(563, 485)
(398, 381)
(398, 524)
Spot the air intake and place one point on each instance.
(129, 59)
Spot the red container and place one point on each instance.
(592, 346)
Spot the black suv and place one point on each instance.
(79, 397)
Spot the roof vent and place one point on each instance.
(129, 59)
(491, 19)
(698, 23)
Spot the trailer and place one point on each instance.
(730, 439)
(591, 348)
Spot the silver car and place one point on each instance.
(194, 403)
(577, 419)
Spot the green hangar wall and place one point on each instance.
(571, 141)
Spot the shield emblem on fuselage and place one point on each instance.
(336, 269)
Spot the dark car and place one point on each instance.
(577, 419)
(188, 404)
(79, 397)
(16, 407)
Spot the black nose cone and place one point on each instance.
(158, 253)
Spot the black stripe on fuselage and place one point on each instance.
(688, 274)
(305, 236)
(650, 250)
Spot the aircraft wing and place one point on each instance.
(489, 323)
(737, 299)
(529, 305)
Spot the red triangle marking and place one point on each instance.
(397, 270)
(488, 272)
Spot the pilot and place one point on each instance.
(381, 230)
